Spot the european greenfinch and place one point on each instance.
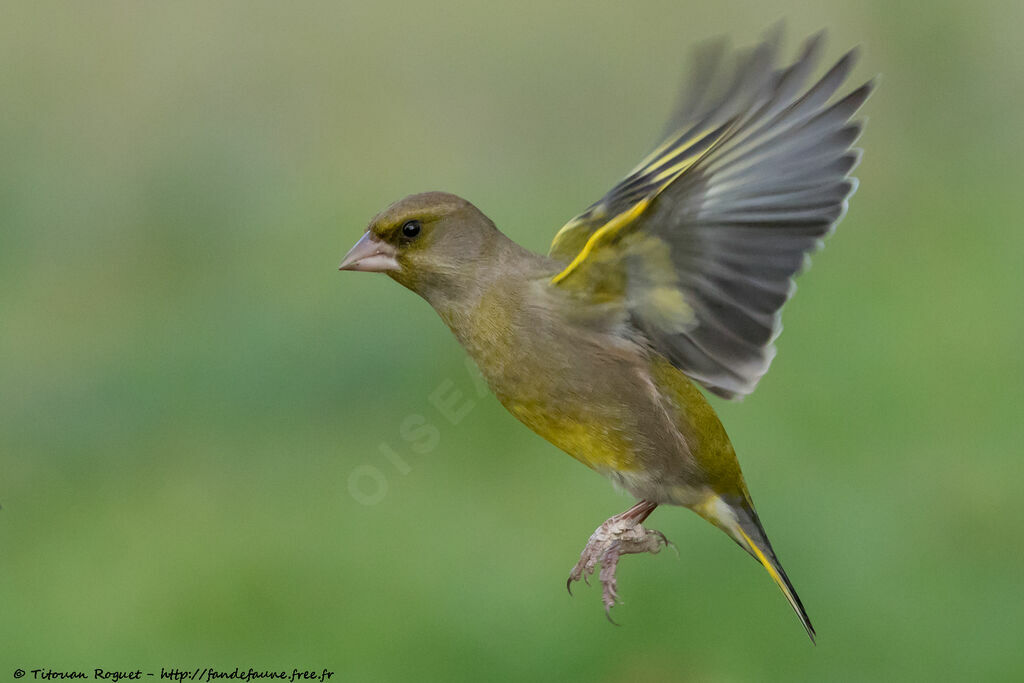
(676, 277)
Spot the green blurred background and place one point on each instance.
(190, 389)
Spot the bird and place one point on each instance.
(670, 283)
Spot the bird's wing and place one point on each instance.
(701, 241)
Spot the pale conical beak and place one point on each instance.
(371, 255)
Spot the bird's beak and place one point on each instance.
(371, 255)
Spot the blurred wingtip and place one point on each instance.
(776, 32)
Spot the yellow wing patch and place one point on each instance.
(633, 195)
(605, 232)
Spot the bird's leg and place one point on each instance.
(623, 534)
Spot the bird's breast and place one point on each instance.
(567, 384)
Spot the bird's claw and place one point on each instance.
(616, 537)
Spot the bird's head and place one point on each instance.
(427, 242)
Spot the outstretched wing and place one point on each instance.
(701, 241)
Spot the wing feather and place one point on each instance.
(702, 239)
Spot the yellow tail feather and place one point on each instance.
(740, 521)
(780, 578)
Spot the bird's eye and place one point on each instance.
(411, 229)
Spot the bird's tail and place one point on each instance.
(740, 521)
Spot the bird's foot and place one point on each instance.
(620, 535)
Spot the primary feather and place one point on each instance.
(701, 241)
